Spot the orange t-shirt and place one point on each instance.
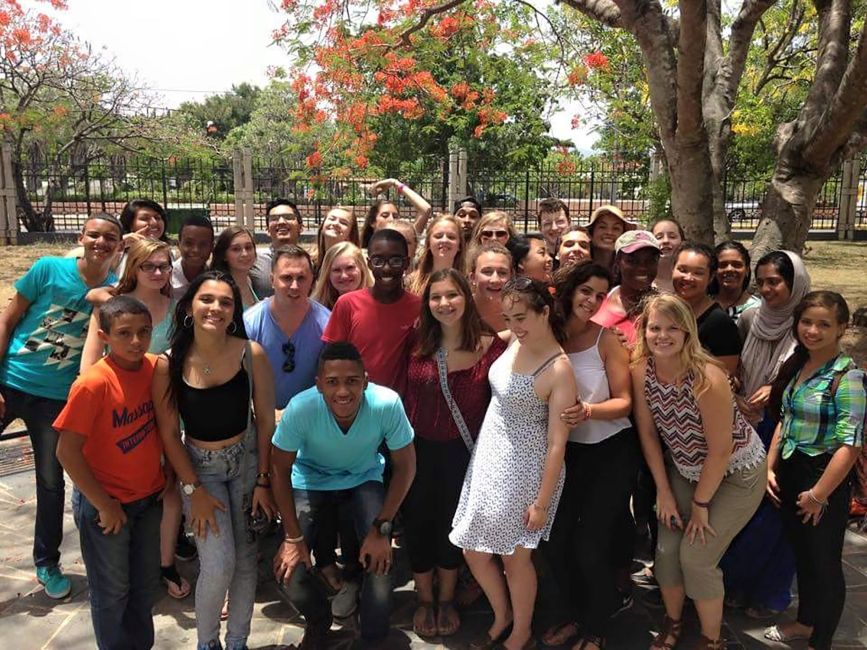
(113, 409)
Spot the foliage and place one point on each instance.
(217, 115)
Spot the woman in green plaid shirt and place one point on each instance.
(820, 395)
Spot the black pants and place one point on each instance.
(591, 529)
(431, 503)
(818, 549)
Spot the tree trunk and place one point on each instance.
(691, 177)
(27, 215)
(786, 222)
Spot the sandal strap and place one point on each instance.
(670, 627)
(171, 574)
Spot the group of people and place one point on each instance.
(507, 401)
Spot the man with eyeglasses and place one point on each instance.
(378, 321)
(284, 224)
(288, 325)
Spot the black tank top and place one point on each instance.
(218, 412)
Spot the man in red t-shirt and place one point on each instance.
(110, 447)
(378, 321)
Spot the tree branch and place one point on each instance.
(844, 110)
(834, 27)
(425, 16)
(690, 69)
(741, 37)
(605, 11)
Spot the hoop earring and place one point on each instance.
(232, 328)
(188, 321)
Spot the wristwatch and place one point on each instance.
(383, 527)
(189, 488)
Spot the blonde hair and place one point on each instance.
(352, 236)
(692, 357)
(324, 292)
(139, 251)
(489, 218)
(425, 265)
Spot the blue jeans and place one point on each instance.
(306, 591)
(123, 572)
(39, 414)
(227, 563)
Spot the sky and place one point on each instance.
(188, 49)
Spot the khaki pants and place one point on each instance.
(696, 566)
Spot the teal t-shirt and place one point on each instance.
(45, 348)
(329, 459)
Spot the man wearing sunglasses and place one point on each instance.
(288, 325)
(378, 321)
(284, 224)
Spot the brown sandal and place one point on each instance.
(670, 628)
(707, 644)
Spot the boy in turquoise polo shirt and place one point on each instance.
(42, 332)
(325, 459)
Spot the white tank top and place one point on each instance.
(592, 381)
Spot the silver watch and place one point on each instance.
(189, 488)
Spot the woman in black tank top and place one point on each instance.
(215, 380)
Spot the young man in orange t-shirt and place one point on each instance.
(110, 448)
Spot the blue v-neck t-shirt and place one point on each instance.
(329, 459)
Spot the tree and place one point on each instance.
(694, 66)
(218, 114)
(59, 101)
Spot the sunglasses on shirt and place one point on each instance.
(289, 361)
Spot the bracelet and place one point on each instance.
(267, 485)
(813, 498)
(293, 540)
(701, 504)
(263, 475)
(400, 187)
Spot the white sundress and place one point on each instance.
(505, 470)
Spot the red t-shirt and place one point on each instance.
(380, 332)
(113, 409)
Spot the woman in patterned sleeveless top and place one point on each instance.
(711, 474)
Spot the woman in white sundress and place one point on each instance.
(515, 476)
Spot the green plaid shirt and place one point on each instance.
(814, 421)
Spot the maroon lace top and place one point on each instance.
(426, 407)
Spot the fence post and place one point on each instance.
(848, 200)
(526, 199)
(457, 174)
(238, 185)
(249, 212)
(87, 185)
(8, 197)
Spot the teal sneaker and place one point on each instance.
(56, 584)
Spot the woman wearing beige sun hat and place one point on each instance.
(607, 223)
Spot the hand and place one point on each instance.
(202, 506)
(99, 296)
(759, 399)
(808, 509)
(263, 499)
(535, 517)
(288, 557)
(750, 413)
(380, 186)
(171, 481)
(2, 406)
(773, 489)
(624, 341)
(666, 511)
(699, 521)
(375, 553)
(576, 414)
(112, 518)
(138, 235)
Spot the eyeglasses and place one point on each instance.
(395, 262)
(494, 234)
(149, 267)
(289, 361)
(291, 218)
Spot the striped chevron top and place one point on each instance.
(678, 420)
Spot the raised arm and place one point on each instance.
(422, 207)
(93, 349)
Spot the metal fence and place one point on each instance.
(208, 186)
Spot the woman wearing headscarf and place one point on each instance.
(760, 565)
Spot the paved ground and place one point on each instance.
(30, 620)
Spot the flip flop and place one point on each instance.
(775, 633)
(176, 585)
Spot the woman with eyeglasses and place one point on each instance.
(515, 477)
(147, 277)
(494, 227)
(221, 385)
(444, 249)
(235, 254)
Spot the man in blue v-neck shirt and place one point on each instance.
(325, 459)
